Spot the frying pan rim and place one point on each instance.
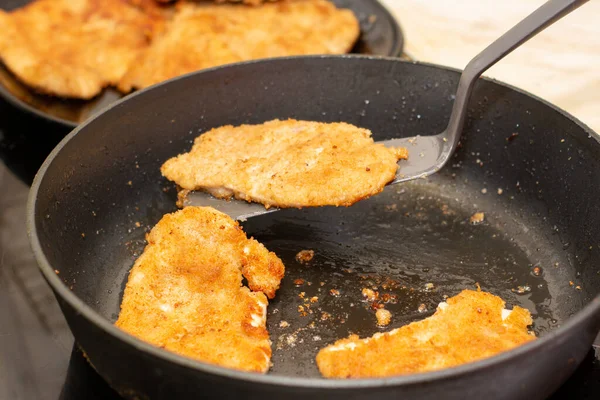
(18, 103)
(397, 37)
(61, 289)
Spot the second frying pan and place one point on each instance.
(531, 168)
(380, 35)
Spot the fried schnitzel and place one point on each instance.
(73, 48)
(470, 326)
(185, 293)
(203, 35)
(287, 163)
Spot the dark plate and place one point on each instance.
(380, 35)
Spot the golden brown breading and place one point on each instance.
(185, 291)
(73, 48)
(203, 35)
(469, 327)
(287, 163)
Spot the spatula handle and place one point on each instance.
(537, 21)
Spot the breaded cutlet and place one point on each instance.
(204, 34)
(185, 292)
(287, 163)
(73, 48)
(470, 326)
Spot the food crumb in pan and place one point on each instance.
(422, 308)
(316, 338)
(484, 190)
(369, 294)
(314, 299)
(56, 271)
(537, 271)
(391, 207)
(334, 292)
(130, 183)
(291, 340)
(521, 289)
(578, 287)
(429, 286)
(182, 197)
(305, 256)
(500, 190)
(512, 137)
(383, 317)
(284, 324)
(302, 294)
(325, 316)
(137, 224)
(477, 218)
(82, 235)
(298, 282)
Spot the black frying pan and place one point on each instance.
(380, 35)
(82, 216)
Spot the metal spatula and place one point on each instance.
(428, 154)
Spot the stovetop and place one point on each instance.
(38, 358)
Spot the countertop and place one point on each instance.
(560, 64)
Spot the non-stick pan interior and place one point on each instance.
(528, 167)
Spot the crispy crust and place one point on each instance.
(469, 328)
(203, 35)
(287, 164)
(73, 48)
(185, 291)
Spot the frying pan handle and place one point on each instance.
(540, 19)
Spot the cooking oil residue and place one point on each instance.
(403, 251)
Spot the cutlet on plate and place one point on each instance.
(185, 292)
(203, 35)
(287, 163)
(469, 326)
(73, 48)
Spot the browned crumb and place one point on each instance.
(305, 256)
(369, 294)
(325, 316)
(334, 292)
(314, 299)
(302, 294)
(477, 218)
(422, 308)
(391, 207)
(137, 224)
(284, 324)
(56, 271)
(302, 310)
(299, 282)
(182, 195)
(383, 317)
